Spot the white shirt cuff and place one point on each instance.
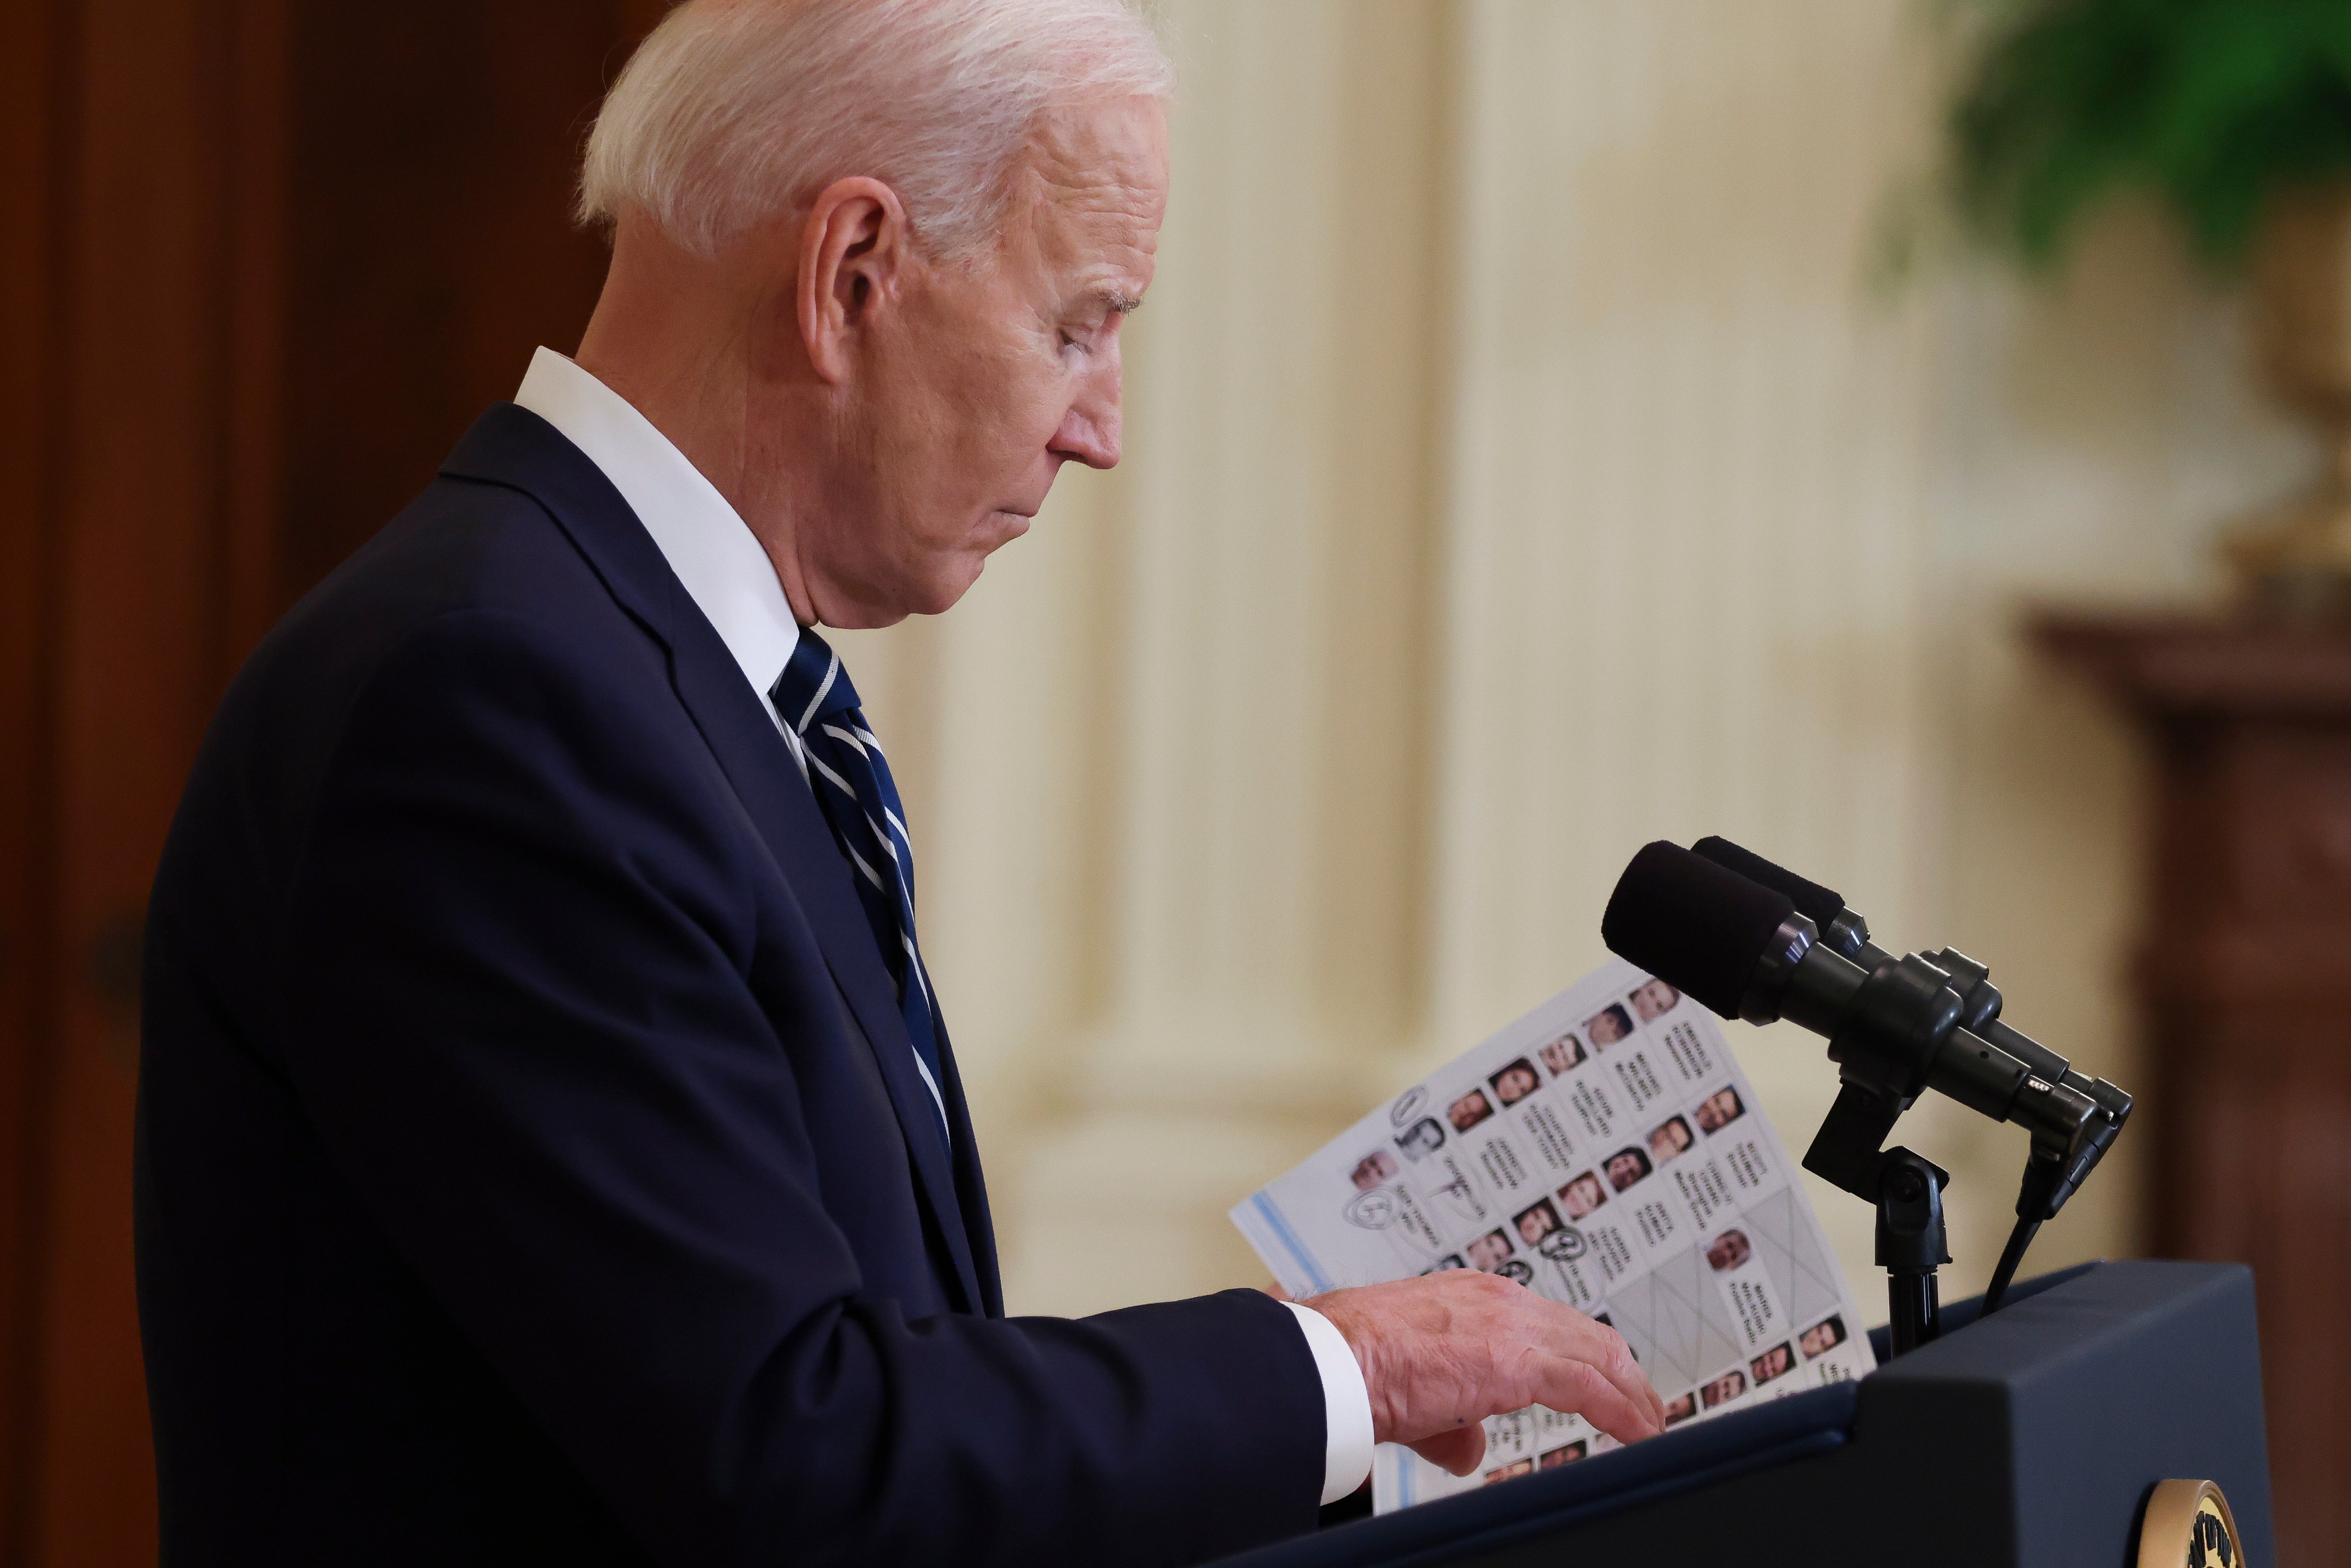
(1346, 1406)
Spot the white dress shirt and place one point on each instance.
(727, 574)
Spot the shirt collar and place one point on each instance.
(724, 569)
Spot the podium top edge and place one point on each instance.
(2070, 1320)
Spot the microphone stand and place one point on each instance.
(1907, 1189)
(1910, 1243)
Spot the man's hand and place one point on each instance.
(1443, 1351)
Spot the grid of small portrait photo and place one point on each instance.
(1547, 1167)
(1481, 1151)
(1605, 1155)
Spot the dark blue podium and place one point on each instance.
(2030, 1437)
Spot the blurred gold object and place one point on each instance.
(2187, 1524)
(2296, 559)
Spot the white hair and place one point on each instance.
(733, 111)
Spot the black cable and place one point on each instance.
(2004, 1274)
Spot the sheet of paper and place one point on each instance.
(1607, 1151)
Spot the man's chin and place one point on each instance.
(942, 593)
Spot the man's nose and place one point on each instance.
(1088, 431)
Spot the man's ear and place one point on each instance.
(854, 248)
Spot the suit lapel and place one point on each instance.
(510, 446)
(970, 1187)
(767, 781)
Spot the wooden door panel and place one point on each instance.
(430, 183)
(274, 255)
(134, 581)
(29, 170)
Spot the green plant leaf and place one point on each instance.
(2214, 105)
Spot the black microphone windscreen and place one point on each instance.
(1817, 903)
(1692, 923)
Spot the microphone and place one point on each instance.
(1895, 1029)
(1844, 929)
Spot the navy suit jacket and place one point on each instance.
(532, 1163)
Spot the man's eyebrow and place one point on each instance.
(1116, 300)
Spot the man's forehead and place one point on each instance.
(1111, 150)
(1096, 184)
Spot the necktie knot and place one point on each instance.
(814, 686)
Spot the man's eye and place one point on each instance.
(1068, 342)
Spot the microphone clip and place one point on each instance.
(1907, 1188)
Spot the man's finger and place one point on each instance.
(1459, 1450)
(1587, 1390)
(1605, 1350)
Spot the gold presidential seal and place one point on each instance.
(2187, 1524)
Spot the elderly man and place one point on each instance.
(551, 1149)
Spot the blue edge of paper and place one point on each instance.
(1703, 1455)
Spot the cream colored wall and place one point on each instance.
(1519, 471)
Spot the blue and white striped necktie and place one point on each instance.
(845, 768)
